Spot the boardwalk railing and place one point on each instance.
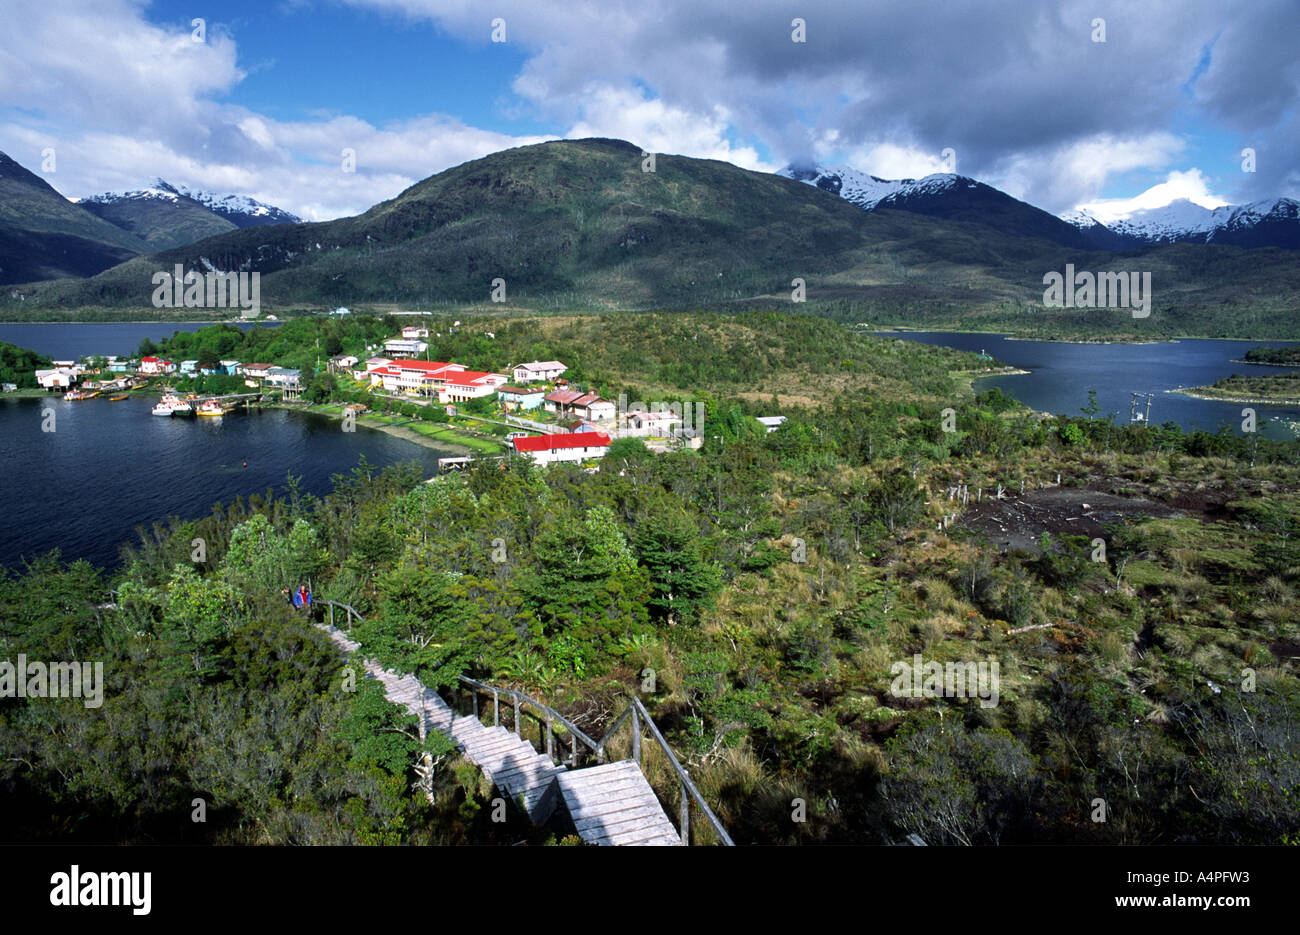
(638, 716)
(547, 718)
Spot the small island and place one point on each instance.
(1272, 356)
(1281, 390)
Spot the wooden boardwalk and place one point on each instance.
(608, 804)
(613, 804)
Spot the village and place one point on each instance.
(539, 413)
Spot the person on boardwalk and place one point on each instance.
(297, 598)
(288, 596)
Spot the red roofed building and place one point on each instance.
(552, 449)
(583, 405)
(561, 401)
(450, 382)
(156, 365)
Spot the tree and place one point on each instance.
(952, 785)
(626, 449)
(897, 501)
(584, 580)
(682, 583)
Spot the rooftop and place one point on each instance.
(553, 442)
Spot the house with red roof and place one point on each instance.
(450, 382)
(156, 365)
(571, 448)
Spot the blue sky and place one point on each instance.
(305, 59)
(1024, 92)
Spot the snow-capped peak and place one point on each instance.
(159, 189)
(243, 210)
(1184, 220)
(865, 190)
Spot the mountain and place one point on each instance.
(578, 224)
(165, 215)
(1269, 223)
(241, 210)
(160, 215)
(952, 197)
(575, 217)
(45, 236)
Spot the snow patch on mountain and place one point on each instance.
(236, 207)
(867, 191)
(1183, 220)
(239, 209)
(159, 190)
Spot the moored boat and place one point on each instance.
(211, 408)
(172, 405)
(116, 399)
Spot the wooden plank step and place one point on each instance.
(595, 775)
(614, 804)
(612, 784)
(663, 834)
(511, 759)
(635, 813)
(604, 802)
(522, 774)
(488, 745)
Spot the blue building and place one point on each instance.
(520, 397)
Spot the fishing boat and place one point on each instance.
(80, 394)
(211, 408)
(116, 399)
(171, 405)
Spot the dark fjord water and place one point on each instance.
(73, 340)
(1062, 374)
(110, 467)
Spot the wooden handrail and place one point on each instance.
(685, 778)
(546, 709)
(636, 711)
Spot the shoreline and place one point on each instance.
(1011, 336)
(448, 447)
(1257, 400)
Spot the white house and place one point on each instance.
(156, 365)
(461, 385)
(343, 362)
(401, 347)
(571, 448)
(642, 424)
(283, 376)
(411, 332)
(58, 379)
(591, 406)
(772, 422)
(538, 370)
(256, 371)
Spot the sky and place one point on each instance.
(326, 107)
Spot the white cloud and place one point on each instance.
(1028, 102)
(893, 161)
(1060, 179)
(627, 114)
(1190, 185)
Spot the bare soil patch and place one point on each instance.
(1019, 521)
